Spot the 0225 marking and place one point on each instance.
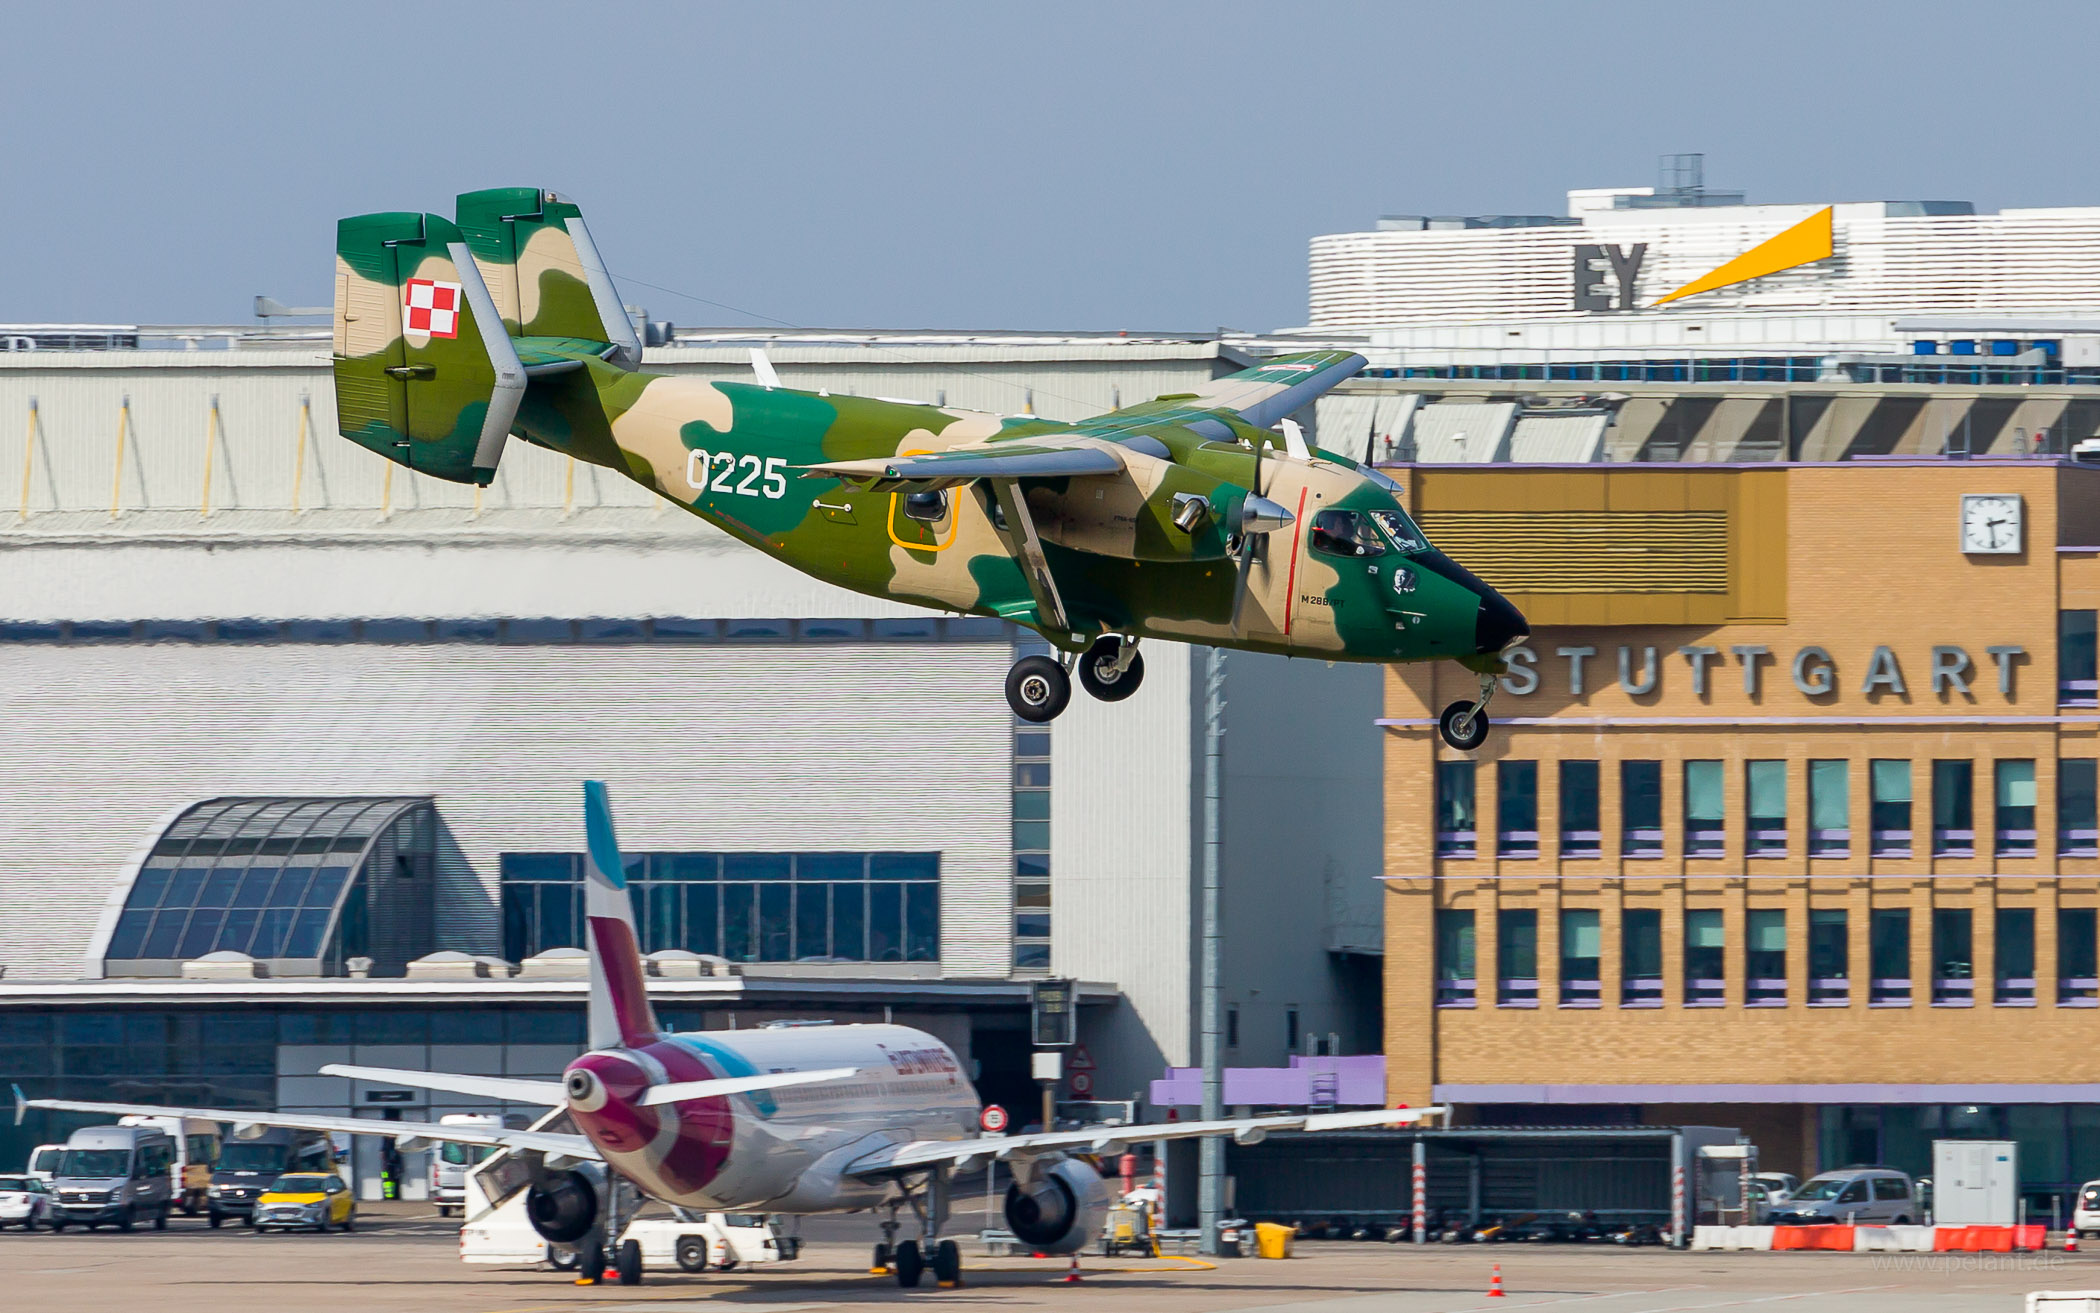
(717, 471)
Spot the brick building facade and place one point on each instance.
(1788, 818)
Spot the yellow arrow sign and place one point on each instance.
(1805, 243)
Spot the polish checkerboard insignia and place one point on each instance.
(430, 307)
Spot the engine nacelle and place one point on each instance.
(563, 1209)
(1060, 1210)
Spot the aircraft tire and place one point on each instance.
(1100, 659)
(910, 1265)
(1447, 725)
(1037, 688)
(590, 1263)
(947, 1263)
(629, 1262)
(879, 1265)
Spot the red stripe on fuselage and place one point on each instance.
(622, 958)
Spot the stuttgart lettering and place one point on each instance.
(1814, 672)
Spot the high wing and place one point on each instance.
(567, 1146)
(917, 1154)
(1262, 395)
(1034, 458)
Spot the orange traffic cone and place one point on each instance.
(1495, 1284)
(1072, 1273)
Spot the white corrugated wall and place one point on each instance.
(863, 746)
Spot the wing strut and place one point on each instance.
(1028, 549)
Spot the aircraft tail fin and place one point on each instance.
(620, 1011)
(425, 374)
(544, 271)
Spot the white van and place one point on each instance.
(2085, 1214)
(115, 1174)
(43, 1162)
(1868, 1196)
(196, 1156)
(451, 1161)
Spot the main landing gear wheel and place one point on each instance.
(1464, 725)
(590, 1264)
(1103, 674)
(947, 1264)
(910, 1266)
(629, 1263)
(1037, 688)
(879, 1265)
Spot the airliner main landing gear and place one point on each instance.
(1464, 725)
(910, 1259)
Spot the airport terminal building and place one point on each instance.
(299, 736)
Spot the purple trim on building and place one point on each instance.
(1617, 722)
(1599, 1094)
(1357, 1080)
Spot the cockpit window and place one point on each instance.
(1402, 530)
(1345, 533)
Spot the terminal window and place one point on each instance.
(1953, 808)
(2012, 958)
(1705, 971)
(1953, 974)
(2013, 813)
(1455, 826)
(2077, 957)
(747, 907)
(1891, 807)
(1581, 958)
(1455, 981)
(1031, 801)
(1517, 809)
(1581, 833)
(1641, 958)
(1829, 958)
(1764, 789)
(1705, 815)
(2077, 807)
(1888, 952)
(1829, 808)
(1764, 957)
(2077, 658)
(1517, 957)
(1641, 808)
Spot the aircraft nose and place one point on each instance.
(1498, 623)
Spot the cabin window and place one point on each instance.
(1345, 533)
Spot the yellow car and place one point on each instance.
(317, 1200)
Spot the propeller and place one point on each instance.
(1258, 515)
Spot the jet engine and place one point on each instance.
(1060, 1209)
(562, 1207)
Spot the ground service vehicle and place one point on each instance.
(196, 1155)
(785, 1119)
(24, 1202)
(1189, 517)
(305, 1201)
(451, 1162)
(114, 1174)
(1868, 1196)
(249, 1162)
(2085, 1213)
(43, 1161)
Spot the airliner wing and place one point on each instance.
(568, 1146)
(914, 1155)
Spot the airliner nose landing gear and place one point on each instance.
(1464, 725)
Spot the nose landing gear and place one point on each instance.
(1464, 725)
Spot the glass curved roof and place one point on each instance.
(263, 876)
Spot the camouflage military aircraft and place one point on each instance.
(1189, 517)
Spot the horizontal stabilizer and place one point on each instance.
(546, 1093)
(707, 1089)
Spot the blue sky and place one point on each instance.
(1138, 165)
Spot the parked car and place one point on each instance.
(24, 1201)
(115, 1174)
(305, 1201)
(1871, 1196)
(2085, 1214)
(247, 1166)
(1779, 1186)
